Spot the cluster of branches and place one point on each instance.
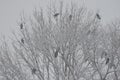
(70, 44)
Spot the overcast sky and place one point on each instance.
(10, 10)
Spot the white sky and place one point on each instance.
(10, 10)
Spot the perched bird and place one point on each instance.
(56, 52)
(21, 26)
(22, 40)
(56, 14)
(107, 61)
(70, 17)
(34, 71)
(98, 16)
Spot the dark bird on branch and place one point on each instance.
(98, 16)
(21, 26)
(107, 61)
(56, 52)
(22, 40)
(56, 14)
(34, 71)
(70, 17)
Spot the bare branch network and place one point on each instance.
(65, 44)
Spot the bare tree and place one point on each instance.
(74, 46)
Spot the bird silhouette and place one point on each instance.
(98, 16)
(22, 40)
(56, 52)
(34, 71)
(21, 26)
(70, 17)
(56, 14)
(107, 61)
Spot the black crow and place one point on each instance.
(70, 17)
(34, 71)
(22, 40)
(107, 61)
(21, 26)
(56, 52)
(56, 14)
(98, 16)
